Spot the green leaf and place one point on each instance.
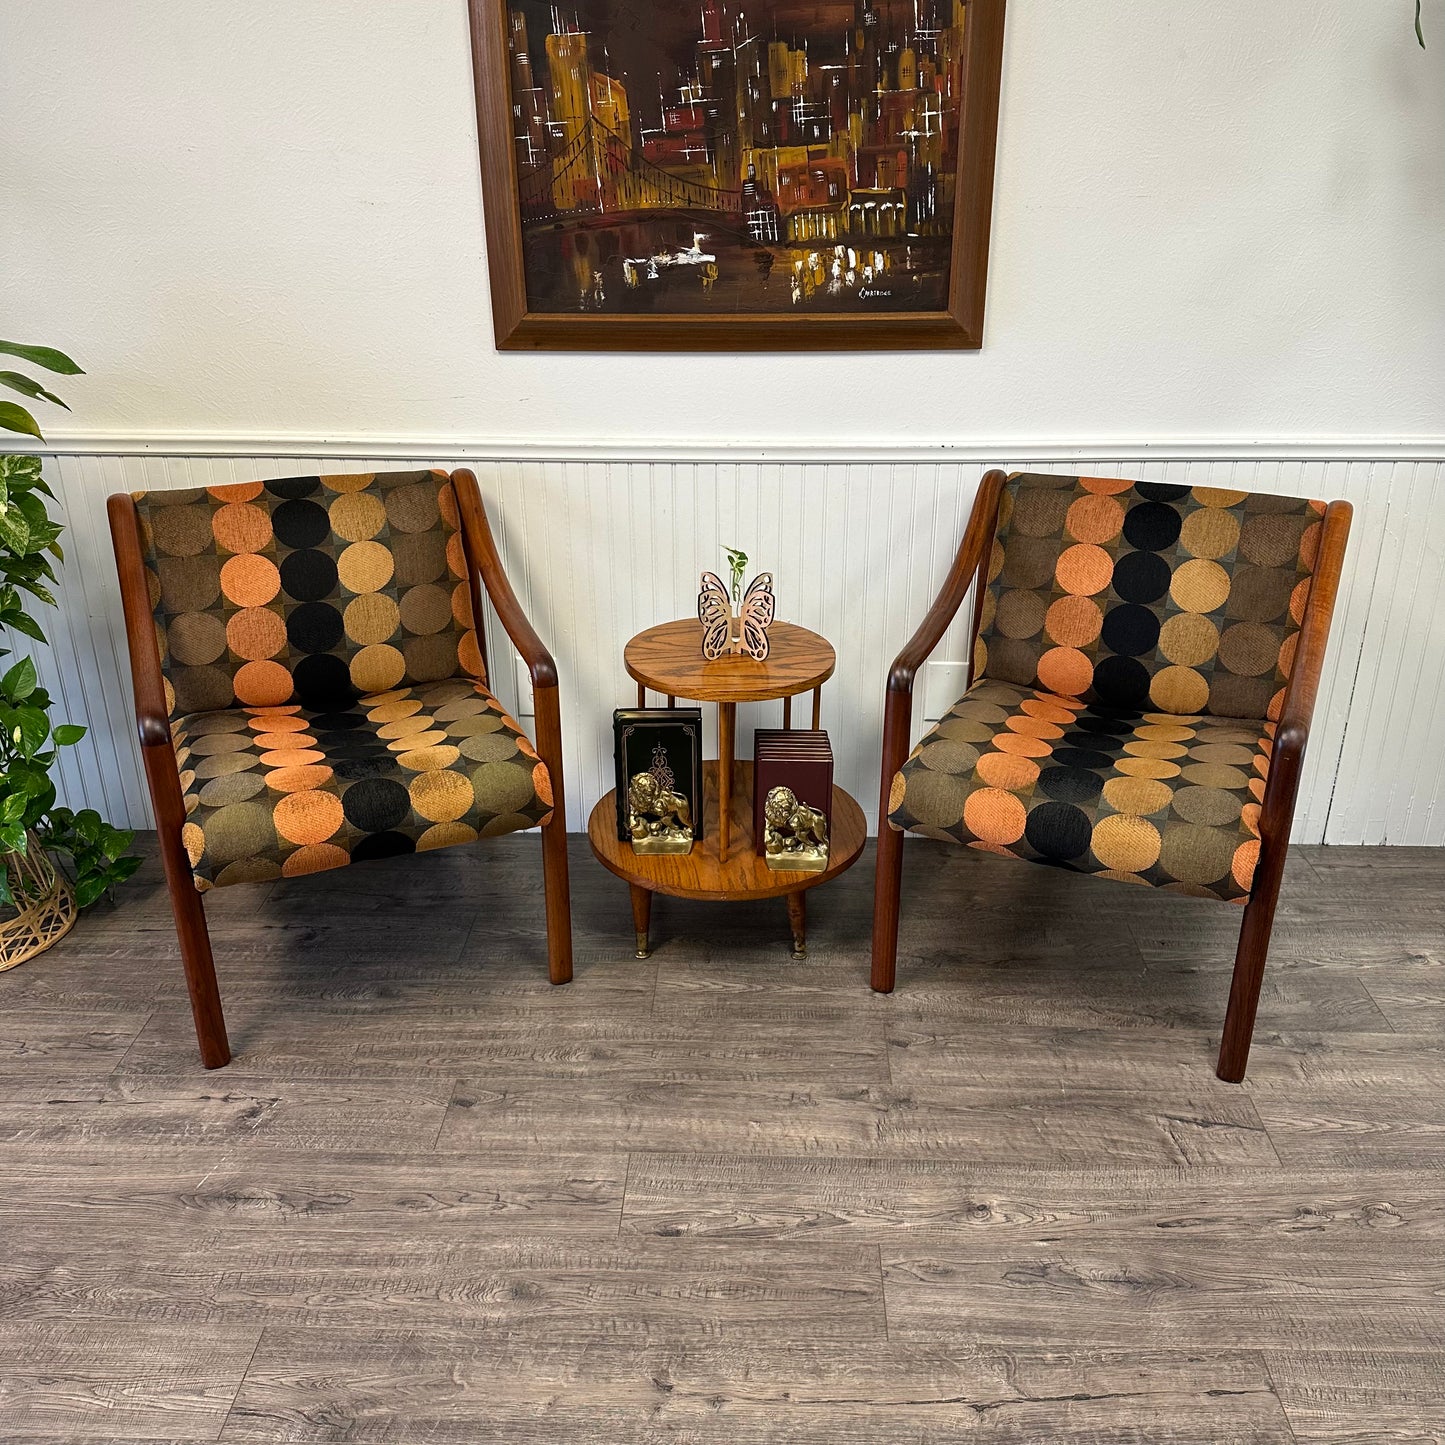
(16, 381)
(46, 356)
(22, 622)
(28, 728)
(20, 681)
(16, 418)
(88, 824)
(12, 838)
(6, 896)
(14, 529)
(33, 509)
(12, 810)
(19, 470)
(67, 734)
(88, 890)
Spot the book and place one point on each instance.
(800, 760)
(658, 758)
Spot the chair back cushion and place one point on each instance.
(1148, 596)
(308, 590)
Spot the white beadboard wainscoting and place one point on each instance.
(600, 547)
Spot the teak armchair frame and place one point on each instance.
(163, 776)
(969, 569)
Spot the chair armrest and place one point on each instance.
(898, 698)
(1297, 711)
(976, 537)
(152, 716)
(483, 555)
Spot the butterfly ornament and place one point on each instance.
(744, 632)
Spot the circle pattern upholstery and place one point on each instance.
(280, 790)
(1135, 641)
(324, 678)
(317, 590)
(1147, 595)
(1161, 798)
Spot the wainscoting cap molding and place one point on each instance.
(472, 449)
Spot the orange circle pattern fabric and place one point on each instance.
(1147, 595)
(279, 790)
(1156, 797)
(327, 697)
(314, 590)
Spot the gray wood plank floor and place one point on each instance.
(720, 1196)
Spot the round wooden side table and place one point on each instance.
(724, 863)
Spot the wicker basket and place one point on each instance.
(44, 908)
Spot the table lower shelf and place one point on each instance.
(745, 873)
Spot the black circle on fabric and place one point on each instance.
(353, 764)
(1160, 491)
(1071, 785)
(382, 845)
(358, 747)
(293, 486)
(1123, 681)
(299, 523)
(1130, 630)
(1058, 830)
(308, 575)
(376, 804)
(314, 627)
(1082, 758)
(337, 721)
(323, 682)
(1103, 727)
(1152, 526)
(353, 744)
(1141, 577)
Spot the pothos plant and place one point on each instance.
(29, 744)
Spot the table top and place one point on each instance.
(668, 659)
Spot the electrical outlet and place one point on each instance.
(525, 706)
(943, 685)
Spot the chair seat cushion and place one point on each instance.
(1146, 797)
(280, 791)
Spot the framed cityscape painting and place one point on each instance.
(737, 174)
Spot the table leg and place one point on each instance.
(641, 917)
(798, 922)
(641, 695)
(727, 716)
(788, 712)
(817, 707)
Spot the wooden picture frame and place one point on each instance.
(523, 326)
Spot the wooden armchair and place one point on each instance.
(1145, 665)
(310, 684)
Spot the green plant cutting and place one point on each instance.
(29, 744)
(737, 564)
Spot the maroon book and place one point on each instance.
(800, 759)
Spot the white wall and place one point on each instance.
(1216, 241)
(1215, 220)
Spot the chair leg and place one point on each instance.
(195, 941)
(887, 886)
(559, 905)
(1249, 960)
